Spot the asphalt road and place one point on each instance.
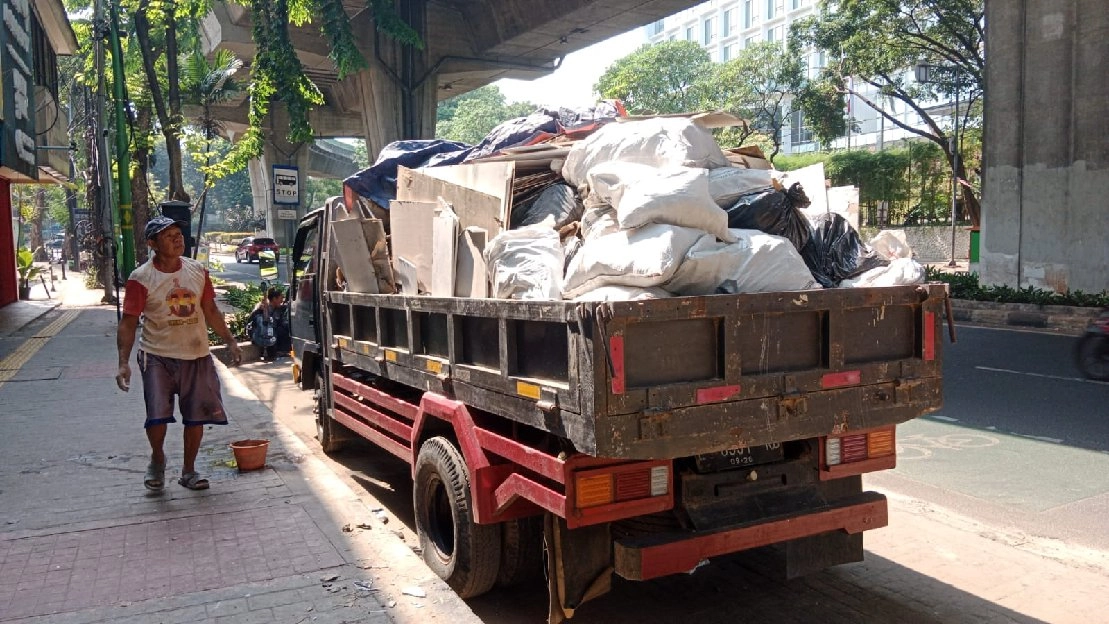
(1022, 440)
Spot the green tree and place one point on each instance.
(876, 44)
(469, 117)
(205, 84)
(668, 77)
(756, 85)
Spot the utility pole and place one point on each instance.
(104, 196)
(123, 152)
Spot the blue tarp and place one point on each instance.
(379, 181)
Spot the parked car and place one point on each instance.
(251, 246)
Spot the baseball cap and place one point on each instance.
(157, 224)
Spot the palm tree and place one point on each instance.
(204, 84)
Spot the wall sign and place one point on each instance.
(286, 185)
(17, 145)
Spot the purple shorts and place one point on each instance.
(195, 381)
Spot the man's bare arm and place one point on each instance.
(125, 341)
(214, 318)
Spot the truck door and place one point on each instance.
(304, 307)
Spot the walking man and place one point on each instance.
(171, 293)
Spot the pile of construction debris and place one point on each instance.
(614, 209)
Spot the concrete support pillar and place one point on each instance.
(399, 89)
(1046, 154)
(278, 151)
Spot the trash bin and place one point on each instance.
(975, 234)
(267, 265)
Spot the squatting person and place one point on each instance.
(174, 296)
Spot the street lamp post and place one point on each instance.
(924, 75)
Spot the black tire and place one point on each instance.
(521, 551)
(461, 552)
(1092, 356)
(327, 430)
(238, 260)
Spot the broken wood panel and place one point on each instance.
(473, 208)
(411, 235)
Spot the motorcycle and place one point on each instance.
(1092, 351)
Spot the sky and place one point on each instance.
(571, 85)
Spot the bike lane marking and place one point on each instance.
(1041, 375)
(1019, 471)
(14, 362)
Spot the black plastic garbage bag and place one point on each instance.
(557, 200)
(773, 212)
(835, 252)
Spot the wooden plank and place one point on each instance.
(473, 208)
(411, 233)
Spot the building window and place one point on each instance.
(798, 132)
(727, 24)
(730, 51)
(689, 33)
(750, 41)
(673, 37)
(710, 30)
(750, 13)
(654, 28)
(774, 8)
(797, 4)
(775, 34)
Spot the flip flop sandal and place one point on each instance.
(193, 481)
(155, 477)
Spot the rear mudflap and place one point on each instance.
(579, 566)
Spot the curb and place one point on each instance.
(1064, 320)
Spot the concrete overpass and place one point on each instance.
(468, 44)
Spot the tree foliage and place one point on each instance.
(667, 77)
(469, 117)
(756, 85)
(878, 42)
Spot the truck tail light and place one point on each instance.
(859, 447)
(621, 483)
(594, 490)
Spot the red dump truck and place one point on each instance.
(641, 438)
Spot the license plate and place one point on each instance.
(739, 458)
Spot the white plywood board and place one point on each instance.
(354, 256)
(410, 224)
(444, 242)
(470, 275)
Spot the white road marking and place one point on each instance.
(1027, 374)
(944, 418)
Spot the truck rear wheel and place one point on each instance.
(521, 551)
(463, 553)
(326, 428)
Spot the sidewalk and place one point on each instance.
(81, 540)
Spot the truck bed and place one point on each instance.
(665, 378)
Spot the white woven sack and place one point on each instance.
(891, 244)
(767, 263)
(726, 184)
(623, 293)
(643, 257)
(670, 195)
(526, 263)
(658, 142)
(899, 272)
